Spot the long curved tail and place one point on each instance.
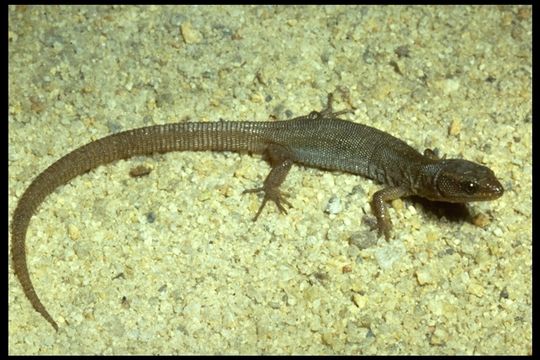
(192, 136)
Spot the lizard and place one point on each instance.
(320, 139)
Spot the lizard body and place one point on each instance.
(320, 140)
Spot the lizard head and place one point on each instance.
(462, 181)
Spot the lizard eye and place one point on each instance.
(469, 187)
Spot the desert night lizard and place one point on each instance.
(319, 139)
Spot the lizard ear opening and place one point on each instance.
(449, 187)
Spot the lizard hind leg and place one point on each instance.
(273, 194)
(281, 162)
(328, 111)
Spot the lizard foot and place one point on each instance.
(328, 111)
(272, 194)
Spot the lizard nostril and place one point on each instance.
(496, 189)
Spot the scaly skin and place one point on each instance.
(320, 140)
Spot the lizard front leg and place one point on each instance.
(380, 209)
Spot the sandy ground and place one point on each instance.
(171, 263)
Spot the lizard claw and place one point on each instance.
(272, 194)
(328, 111)
(384, 228)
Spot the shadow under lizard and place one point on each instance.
(319, 139)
